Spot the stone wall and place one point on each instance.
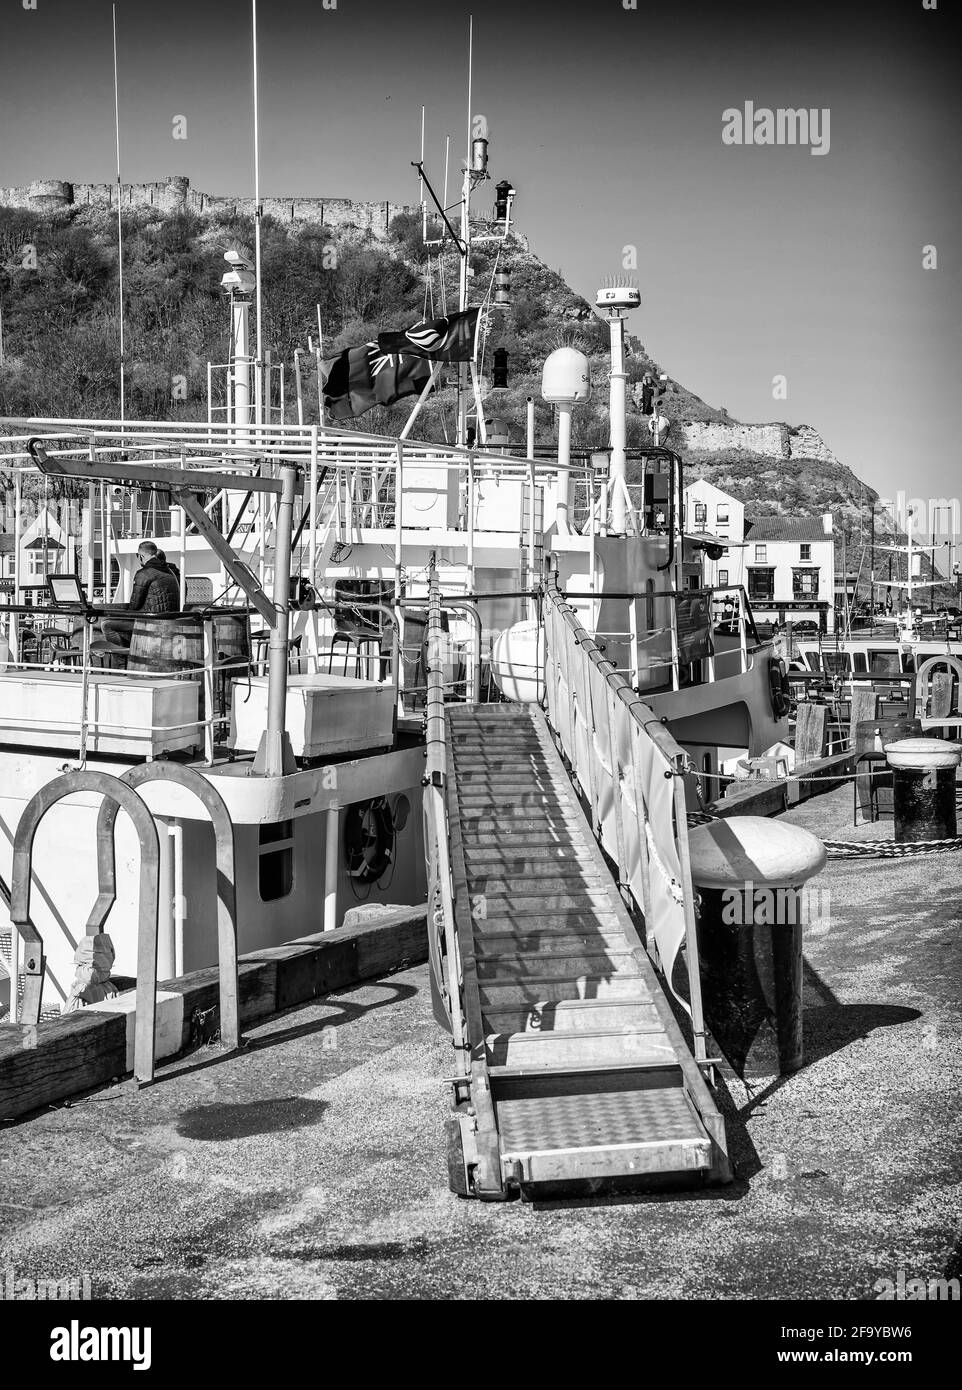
(775, 440)
(718, 438)
(175, 194)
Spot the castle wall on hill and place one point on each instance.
(775, 440)
(175, 195)
(718, 438)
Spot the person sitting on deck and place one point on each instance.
(155, 590)
(174, 569)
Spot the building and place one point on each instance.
(785, 564)
(45, 548)
(790, 569)
(709, 512)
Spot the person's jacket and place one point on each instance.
(155, 589)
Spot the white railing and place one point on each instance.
(631, 773)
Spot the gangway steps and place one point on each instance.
(589, 1074)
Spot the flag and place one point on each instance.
(449, 339)
(362, 377)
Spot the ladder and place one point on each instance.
(575, 1069)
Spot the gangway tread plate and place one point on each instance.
(599, 1134)
(614, 1092)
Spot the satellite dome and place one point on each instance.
(566, 378)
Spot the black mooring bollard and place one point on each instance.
(749, 872)
(923, 788)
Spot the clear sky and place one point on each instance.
(753, 261)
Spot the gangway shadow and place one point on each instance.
(828, 1026)
(345, 1013)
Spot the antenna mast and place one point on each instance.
(258, 384)
(120, 229)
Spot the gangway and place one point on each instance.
(573, 1068)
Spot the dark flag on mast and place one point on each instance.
(449, 339)
(360, 378)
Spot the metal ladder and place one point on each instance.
(577, 1069)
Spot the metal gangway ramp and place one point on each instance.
(573, 1068)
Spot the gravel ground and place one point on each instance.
(312, 1165)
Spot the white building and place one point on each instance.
(45, 548)
(785, 564)
(709, 512)
(790, 569)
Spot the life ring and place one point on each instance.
(779, 688)
(369, 835)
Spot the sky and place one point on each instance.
(755, 262)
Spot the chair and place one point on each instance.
(938, 687)
(53, 645)
(879, 779)
(198, 592)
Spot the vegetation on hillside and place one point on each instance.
(61, 341)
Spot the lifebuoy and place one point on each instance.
(779, 688)
(369, 835)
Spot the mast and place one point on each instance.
(258, 384)
(465, 245)
(120, 229)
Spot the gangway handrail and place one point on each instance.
(442, 937)
(623, 743)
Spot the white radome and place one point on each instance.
(618, 297)
(566, 377)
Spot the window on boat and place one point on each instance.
(814, 660)
(860, 662)
(275, 868)
(836, 662)
(883, 663)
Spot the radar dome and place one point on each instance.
(566, 379)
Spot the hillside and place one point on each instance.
(364, 265)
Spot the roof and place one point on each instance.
(787, 528)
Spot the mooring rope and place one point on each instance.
(860, 849)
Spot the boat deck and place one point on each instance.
(313, 1165)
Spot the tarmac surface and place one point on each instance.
(312, 1165)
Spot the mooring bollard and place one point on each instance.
(749, 873)
(923, 788)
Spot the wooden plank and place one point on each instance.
(256, 997)
(766, 799)
(306, 970)
(864, 706)
(81, 1051)
(811, 732)
(62, 1057)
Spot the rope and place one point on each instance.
(674, 887)
(860, 849)
(888, 849)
